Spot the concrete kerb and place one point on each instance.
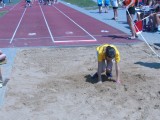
(6, 71)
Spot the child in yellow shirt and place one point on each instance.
(106, 53)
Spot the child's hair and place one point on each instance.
(110, 52)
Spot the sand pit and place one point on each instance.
(55, 84)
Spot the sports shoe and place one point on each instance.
(95, 75)
(109, 75)
(131, 37)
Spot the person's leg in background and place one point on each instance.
(130, 23)
(100, 8)
(158, 21)
(115, 13)
(130, 18)
(106, 5)
(4, 4)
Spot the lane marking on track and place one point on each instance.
(31, 34)
(104, 31)
(47, 25)
(69, 41)
(75, 23)
(17, 26)
(45, 37)
(69, 32)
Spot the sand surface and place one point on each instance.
(55, 84)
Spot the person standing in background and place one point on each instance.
(100, 3)
(106, 5)
(28, 3)
(114, 4)
(130, 12)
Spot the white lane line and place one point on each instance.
(69, 41)
(61, 37)
(104, 31)
(76, 23)
(17, 26)
(47, 24)
(31, 34)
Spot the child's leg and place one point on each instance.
(104, 66)
(109, 66)
(102, 69)
(109, 69)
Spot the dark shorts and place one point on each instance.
(106, 4)
(28, 1)
(99, 4)
(131, 10)
(115, 7)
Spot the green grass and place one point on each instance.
(13, 2)
(87, 4)
(2, 13)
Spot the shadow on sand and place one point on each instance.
(158, 44)
(5, 81)
(115, 36)
(150, 65)
(95, 80)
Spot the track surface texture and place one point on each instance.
(56, 25)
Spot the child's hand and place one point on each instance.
(118, 81)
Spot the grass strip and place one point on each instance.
(2, 13)
(87, 4)
(12, 2)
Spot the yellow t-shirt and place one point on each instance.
(101, 52)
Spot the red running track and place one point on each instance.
(56, 25)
